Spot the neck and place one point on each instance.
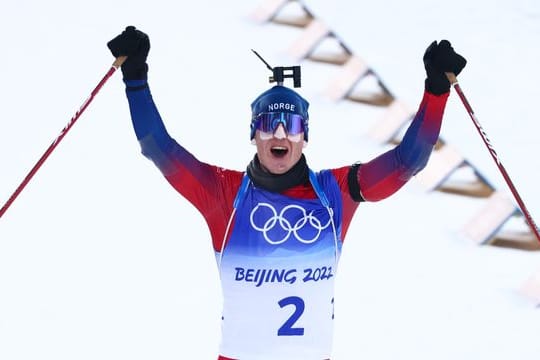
(297, 175)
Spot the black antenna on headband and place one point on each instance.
(280, 73)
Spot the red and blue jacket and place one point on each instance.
(212, 189)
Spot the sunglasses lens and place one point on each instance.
(295, 124)
(265, 122)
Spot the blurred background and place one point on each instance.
(101, 259)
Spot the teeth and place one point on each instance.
(279, 148)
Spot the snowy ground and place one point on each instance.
(100, 259)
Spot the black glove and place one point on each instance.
(438, 59)
(135, 45)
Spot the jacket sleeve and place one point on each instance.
(172, 159)
(211, 189)
(387, 173)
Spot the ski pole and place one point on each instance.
(116, 64)
(453, 80)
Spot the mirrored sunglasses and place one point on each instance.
(269, 122)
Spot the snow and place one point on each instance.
(100, 258)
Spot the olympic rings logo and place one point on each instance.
(305, 221)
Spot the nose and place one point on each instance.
(280, 133)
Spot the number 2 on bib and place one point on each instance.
(287, 328)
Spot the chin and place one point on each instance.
(278, 169)
(281, 166)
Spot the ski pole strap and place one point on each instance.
(318, 189)
(241, 191)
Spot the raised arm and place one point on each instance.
(387, 173)
(209, 188)
(156, 143)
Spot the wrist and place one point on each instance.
(438, 87)
(139, 72)
(134, 85)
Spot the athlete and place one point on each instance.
(278, 227)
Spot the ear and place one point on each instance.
(305, 144)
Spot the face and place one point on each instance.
(278, 154)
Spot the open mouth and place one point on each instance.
(279, 151)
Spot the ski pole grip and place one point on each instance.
(451, 77)
(119, 61)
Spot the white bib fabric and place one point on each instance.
(277, 274)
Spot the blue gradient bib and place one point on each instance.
(277, 273)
